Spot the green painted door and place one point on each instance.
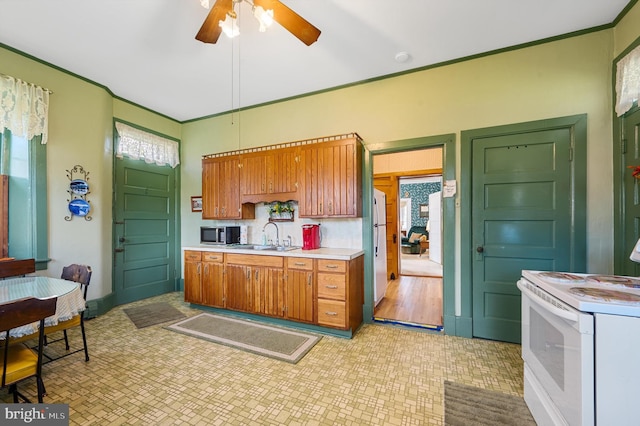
(631, 129)
(521, 209)
(144, 230)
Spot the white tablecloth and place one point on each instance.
(70, 300)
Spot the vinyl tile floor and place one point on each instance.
(384, 375)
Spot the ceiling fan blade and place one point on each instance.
(291, 21)
(210, 30)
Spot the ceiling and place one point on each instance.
(145, 51)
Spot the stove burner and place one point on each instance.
(561, 277)
(605, 294)
(629, 282)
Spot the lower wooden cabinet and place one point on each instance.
(325, 292)
(300, 285)
(212, 288)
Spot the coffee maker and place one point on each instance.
(310, 237)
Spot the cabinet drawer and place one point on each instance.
(302, 263)
(332, 313)
(208, 256)
(192, 255)
(332, 286)
(255, 260)
(328, 265)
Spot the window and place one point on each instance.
(25, 163)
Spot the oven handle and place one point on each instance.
(568, 315)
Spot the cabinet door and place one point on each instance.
(238, 287)
(213, 284)
(283, 172)
(331, 179)
(268, 291)
(229, 188)
(299, 289)
(210, 192)
(254, 174)
(221, 190)
(192, 282)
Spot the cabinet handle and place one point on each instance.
(299, 263)
(206, 269)
(198, 269)
(309, 279)
(331, 266)
(248, 274)
(333, 314)
(333, 287)
(214, 258)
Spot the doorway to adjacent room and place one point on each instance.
(412, 183)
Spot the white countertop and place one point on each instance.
(321, 253)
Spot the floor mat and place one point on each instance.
(152, 314)
(467, 405)
(262, 339)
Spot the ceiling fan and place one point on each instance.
(290, 20)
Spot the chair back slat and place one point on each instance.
(25, 311)
(14, 268)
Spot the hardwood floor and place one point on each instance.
(412, 299)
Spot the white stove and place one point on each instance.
(580, 345)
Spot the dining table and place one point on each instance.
(69, 304)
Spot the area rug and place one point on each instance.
(466, 405)
(152, 314)
(275, 342)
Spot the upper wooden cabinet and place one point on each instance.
(323, 175)
(268, 176)
(220, 184)
(331, 179)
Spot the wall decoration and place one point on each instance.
(78, 190)
(196, 203)
(424, 210)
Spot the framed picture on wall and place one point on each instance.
(424, 210)
(196, 203)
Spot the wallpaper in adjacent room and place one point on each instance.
(419, 194)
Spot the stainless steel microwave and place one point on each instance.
(219, 234)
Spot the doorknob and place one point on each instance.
(395, 238)
(480, 249)
(121, 239)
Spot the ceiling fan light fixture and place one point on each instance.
(264, 17)
(230, 25)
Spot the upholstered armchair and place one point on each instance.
(412, 240)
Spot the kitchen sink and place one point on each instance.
(261, 247)
(276, 248)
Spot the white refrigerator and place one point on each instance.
(379, 245)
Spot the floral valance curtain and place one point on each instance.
(141, 145)
(628, 81)
(24, 108)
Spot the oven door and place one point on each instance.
(557, 349)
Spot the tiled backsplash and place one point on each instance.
(335, 233)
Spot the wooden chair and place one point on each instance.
(14, 268)
(18, 361)
(82, 275)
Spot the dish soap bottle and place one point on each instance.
(264, 239)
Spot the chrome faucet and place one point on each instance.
(277, 231)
